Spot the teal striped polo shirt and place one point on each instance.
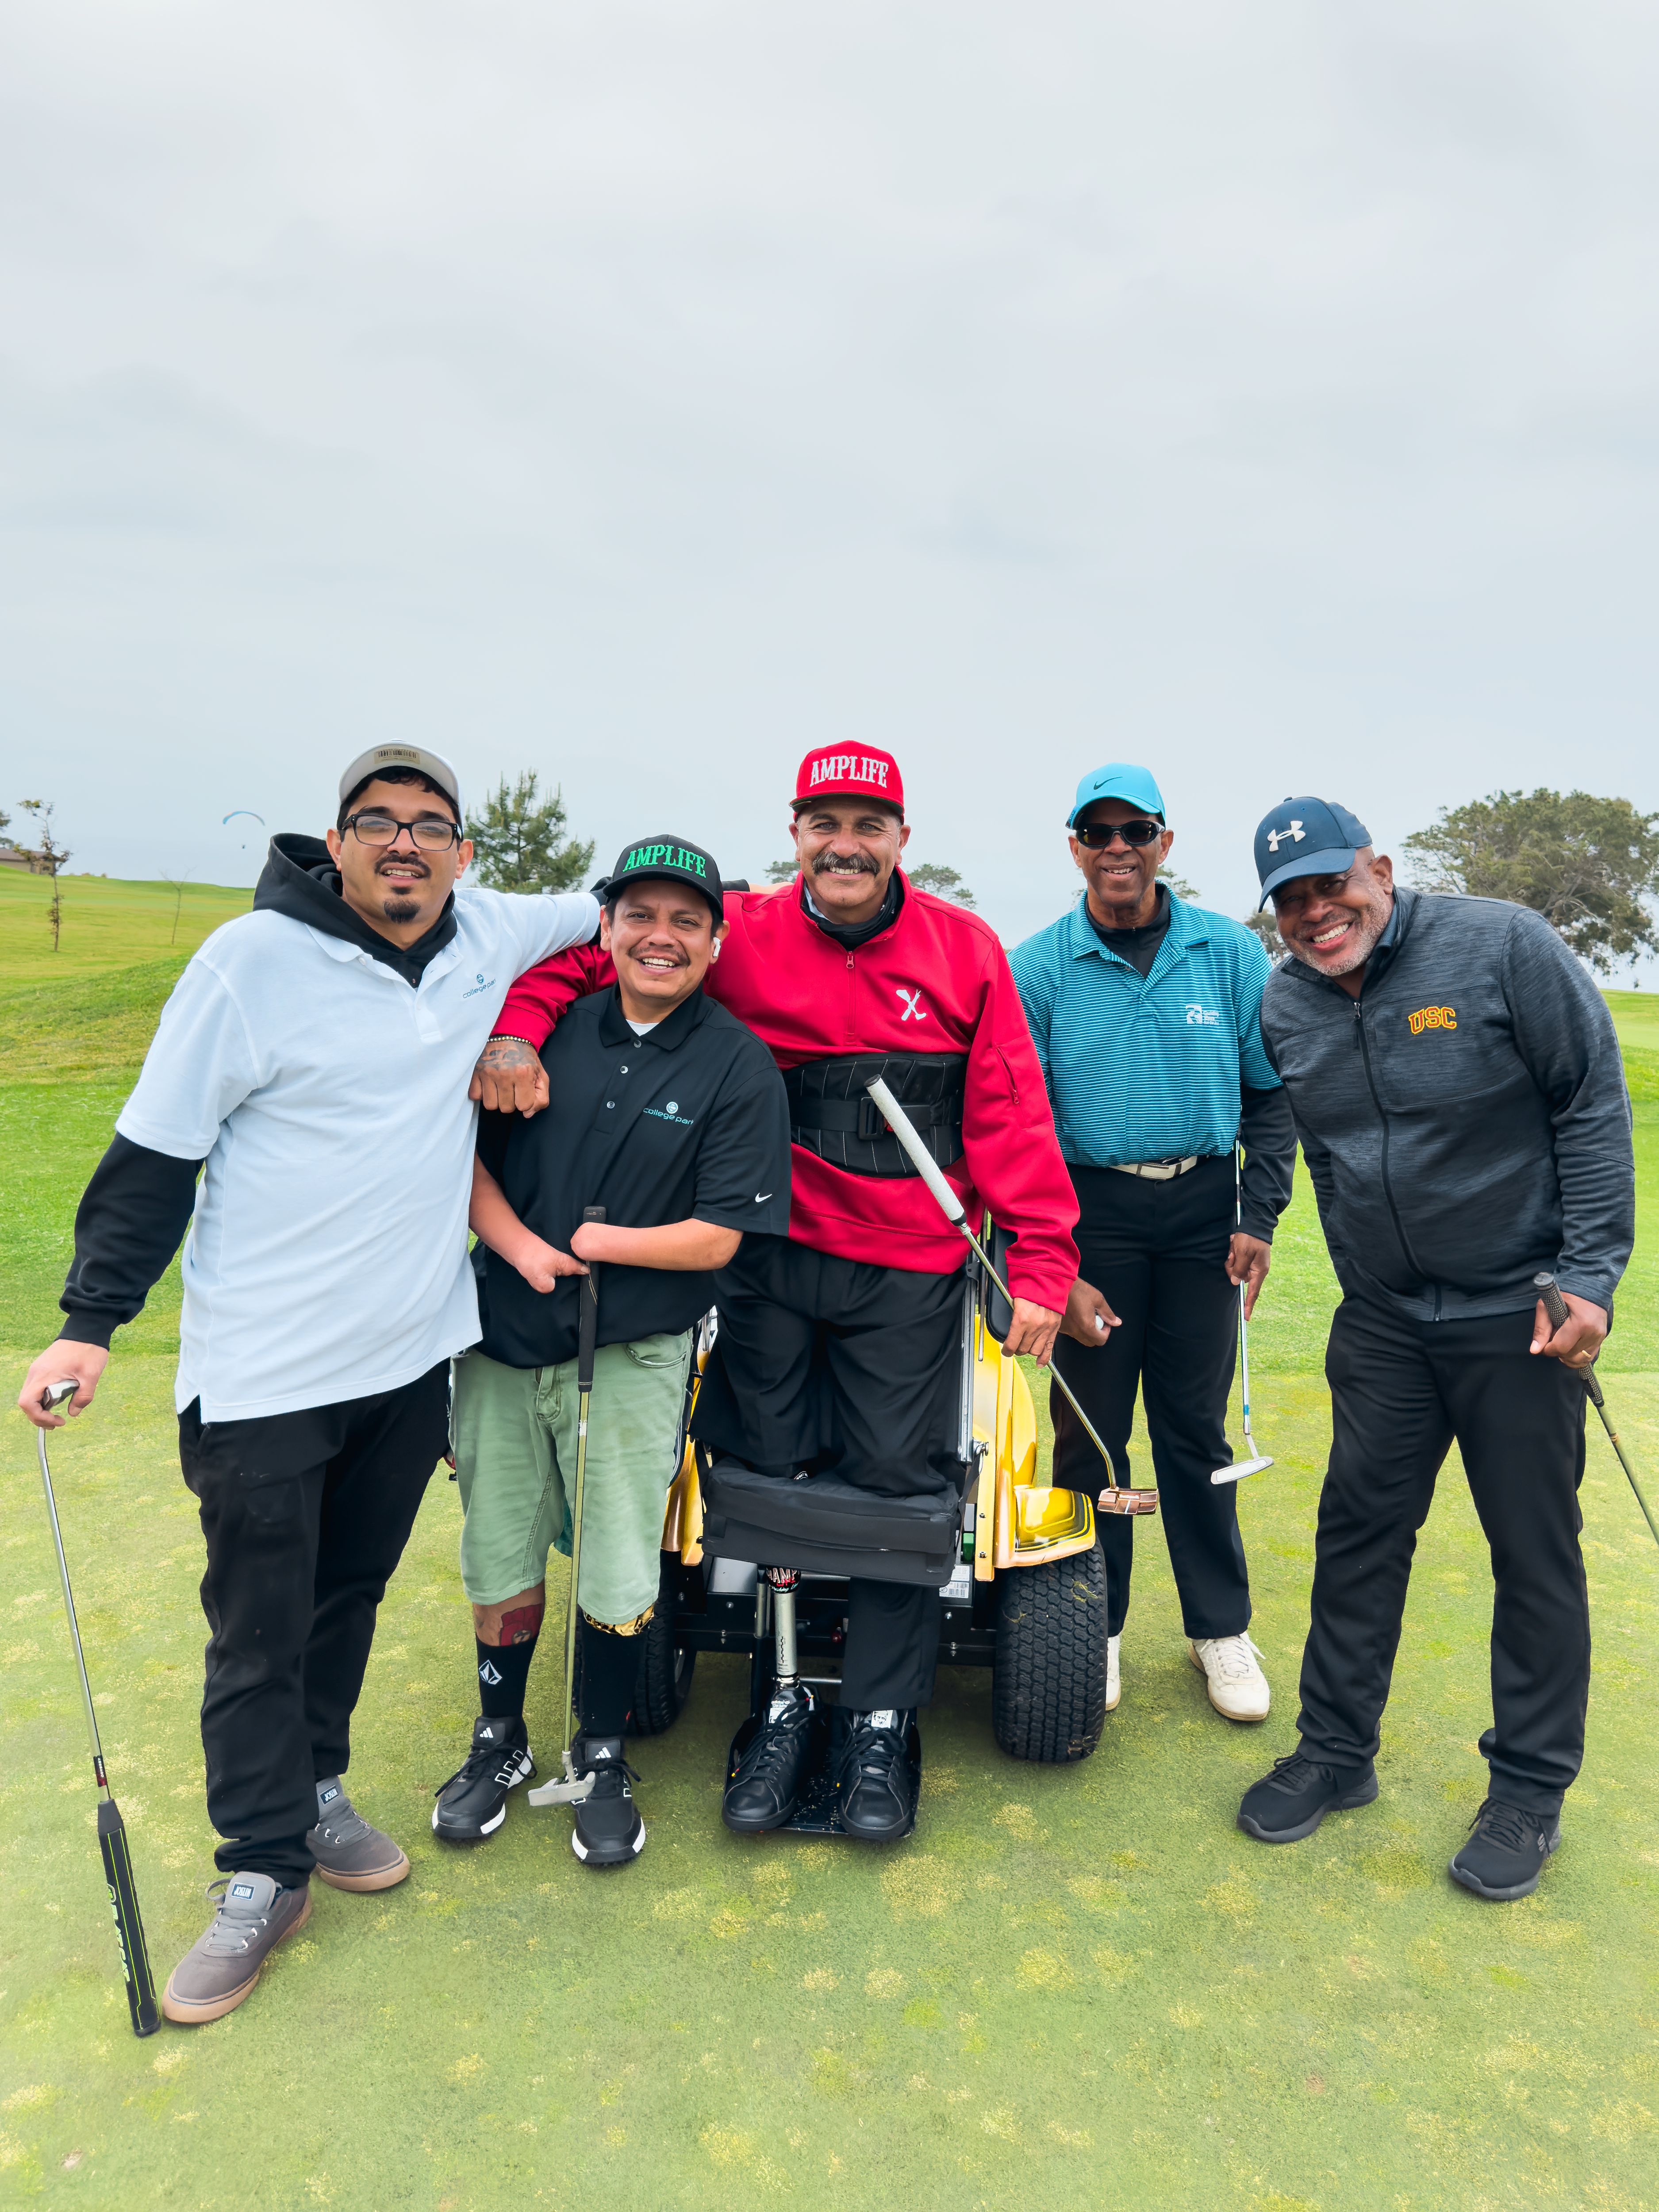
(1146, 1069)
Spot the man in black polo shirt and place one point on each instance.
(666, 1111)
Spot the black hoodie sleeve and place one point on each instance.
(1269, 1136)
(130, 1221)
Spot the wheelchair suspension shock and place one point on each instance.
(783, 1581)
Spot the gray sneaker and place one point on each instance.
(222, 1967)
(350, 1854)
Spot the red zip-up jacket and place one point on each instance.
(938, 981)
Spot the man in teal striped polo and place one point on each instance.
(1146, 1012)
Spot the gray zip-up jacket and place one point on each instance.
(1465, 1119)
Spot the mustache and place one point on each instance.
(841, 864)
(404, 860)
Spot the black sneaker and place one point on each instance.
(873, 1776)
(1507, 1852)
(609, 1831)
(1290, 1802)
(765, 1790)
(472, 1803)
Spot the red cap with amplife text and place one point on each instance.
(864, 774)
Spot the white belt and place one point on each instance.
(1156, 1171)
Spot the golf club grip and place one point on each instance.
(587, 1326)
(918, 1154)
(129, 1923)
(1555, 1306)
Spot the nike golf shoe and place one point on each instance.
(472, 1804)
(766, 1788)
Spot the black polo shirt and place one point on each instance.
(690, 1120)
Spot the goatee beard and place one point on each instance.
(401, 909)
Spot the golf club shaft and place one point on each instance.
(141, 2008)
(587, 1327)
(950, 1205)
(1556, 1307)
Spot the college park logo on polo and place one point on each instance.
(483, 983)
(1432, 1017)
(1293, 835)
(670, 1112)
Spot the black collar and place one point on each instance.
(670, 1033)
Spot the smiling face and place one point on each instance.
(847, 849)
(661, 936)
(1122, 878)
(1333, 922)
(399, 889)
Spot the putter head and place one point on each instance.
(1240, 1469)
(570, 1792)
(1127, 1501)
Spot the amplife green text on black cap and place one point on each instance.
(676, 858)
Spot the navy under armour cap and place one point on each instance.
(1306, 837)
(1118, 780)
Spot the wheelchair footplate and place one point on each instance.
(819, 1813)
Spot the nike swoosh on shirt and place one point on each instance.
(760, 1197)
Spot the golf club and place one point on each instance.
(1258, 1462)
(1556, 1307)
(112, 1829)
(571, 1791)
(1115, 1498)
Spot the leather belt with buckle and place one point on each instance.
(1156, 1171)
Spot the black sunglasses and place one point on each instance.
(1098, 835)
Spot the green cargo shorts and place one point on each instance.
(516, 1459)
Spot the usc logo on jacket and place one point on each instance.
(1432, 1017)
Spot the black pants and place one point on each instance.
(827, 1363)
(1157, 1252)
(1401, 1393)
(306, 1515)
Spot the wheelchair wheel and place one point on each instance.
(1049, 1676)
(663, 1682)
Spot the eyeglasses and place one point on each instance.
(1098, 835)
(431, 837)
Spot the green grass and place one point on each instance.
(1072, 1986)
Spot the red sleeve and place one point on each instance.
(1012, 1152)
(542, 994)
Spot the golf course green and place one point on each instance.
(1072, 1986)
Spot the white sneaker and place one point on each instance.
(1237, 1687)
(1114, 1686)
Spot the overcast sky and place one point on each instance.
(644, 392)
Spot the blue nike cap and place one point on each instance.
(1118, 780)
(1306, 837)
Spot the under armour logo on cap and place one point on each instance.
(1319, 838)
(1276, 837)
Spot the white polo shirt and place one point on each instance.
(327, 1255)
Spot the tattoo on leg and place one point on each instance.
(523, 1622)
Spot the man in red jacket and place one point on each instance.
(838, 1345)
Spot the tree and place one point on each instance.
(53, 857)
(1179, 884)
(1587, 864)
(1266, 929)
(943, 883)
(521, 846)
(782, 872)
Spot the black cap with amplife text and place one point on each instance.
(676, 858)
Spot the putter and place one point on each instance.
(1258, 1462)
(112, 1829)
(1116, 1498)
(572, 1791)
(1556, 1307)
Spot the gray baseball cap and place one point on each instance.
(442, 772)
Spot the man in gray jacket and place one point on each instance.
(1461, 1103)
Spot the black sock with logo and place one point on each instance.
(503, 1671)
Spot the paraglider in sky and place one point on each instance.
(248, 813)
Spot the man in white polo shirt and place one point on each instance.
(325, 1289)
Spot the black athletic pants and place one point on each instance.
(1158, 1254)
(824, 1363)
(1401, 1393)
(306, 1515)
